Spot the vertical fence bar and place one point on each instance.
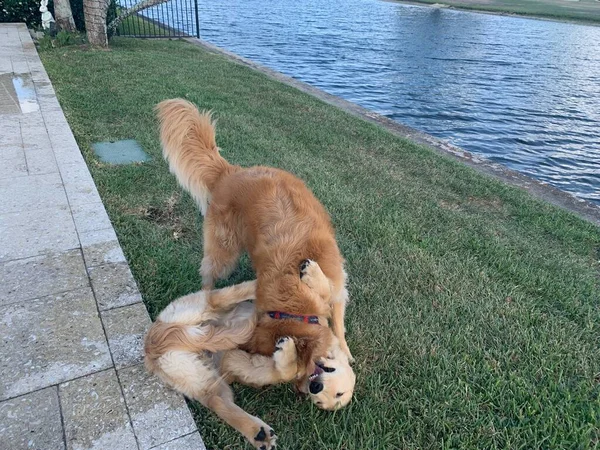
(166, 30)
(197, 20)
(139, 25)
(188, 22)
(189, 27)
(181, 9)
(160, 14)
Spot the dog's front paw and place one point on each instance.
(285, 358)
(304, 266)
(265, 438)
(312, 275)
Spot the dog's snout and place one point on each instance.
(315, 387)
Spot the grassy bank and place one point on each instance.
(579, 10)
(475, 316)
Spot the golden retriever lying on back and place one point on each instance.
(193, 348)
(185, 344)
(271, 214)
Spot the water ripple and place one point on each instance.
(522, 92)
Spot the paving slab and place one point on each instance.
(32, 422)
(92, 217)
(10, 131)
(10, 151)
(60, 264)
(35, 232)
(13, 167)
(58, 337)
(125, 329)
(40, 161)
(190, 442)
(158, 414)
(114, 286)
(79, 184)
(38, 276)
(32, 193)
(95, 414)
(100, 247)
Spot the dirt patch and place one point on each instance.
(166, 216)
(451, 206)
(494, 204)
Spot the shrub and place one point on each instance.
(28, 11)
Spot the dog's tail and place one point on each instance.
(190, 324)
(189, 145)
(225, 333)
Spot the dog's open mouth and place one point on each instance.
(318, 371)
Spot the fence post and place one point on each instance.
(197, 20)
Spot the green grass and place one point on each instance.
(577, 10)
(475, 310)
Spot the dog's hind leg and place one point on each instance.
(258, 433)
(222, 247)
(197, 378)
(230, 296)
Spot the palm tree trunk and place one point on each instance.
(95, 22)
(63, 15)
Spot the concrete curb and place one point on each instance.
(538, 189)
(71, 315)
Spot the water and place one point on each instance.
(522, 92)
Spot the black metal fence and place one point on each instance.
(174, 18)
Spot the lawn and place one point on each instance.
(578, 10)
(475, 309)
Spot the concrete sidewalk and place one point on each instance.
(71, 317)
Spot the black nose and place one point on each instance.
(315, 387)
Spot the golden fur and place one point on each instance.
(185, 344)
(192, 347)
(272, 215)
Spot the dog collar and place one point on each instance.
(298, 317)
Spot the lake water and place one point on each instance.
(521, 92)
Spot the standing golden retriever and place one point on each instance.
(274, 216)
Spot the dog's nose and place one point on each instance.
(315, 387)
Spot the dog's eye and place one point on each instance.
(328, 369)
(339, 394)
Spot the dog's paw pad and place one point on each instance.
(261, 436)
(303, 266)
(281, 342)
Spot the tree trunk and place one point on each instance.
(63, 15)
(95, 22)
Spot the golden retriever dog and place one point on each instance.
(193, 348)
(273, 216)
(329, 387)
(186, 342)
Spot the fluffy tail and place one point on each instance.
(188, 142)
(231, 331)
(190, 324)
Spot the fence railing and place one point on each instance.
(174, 18)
